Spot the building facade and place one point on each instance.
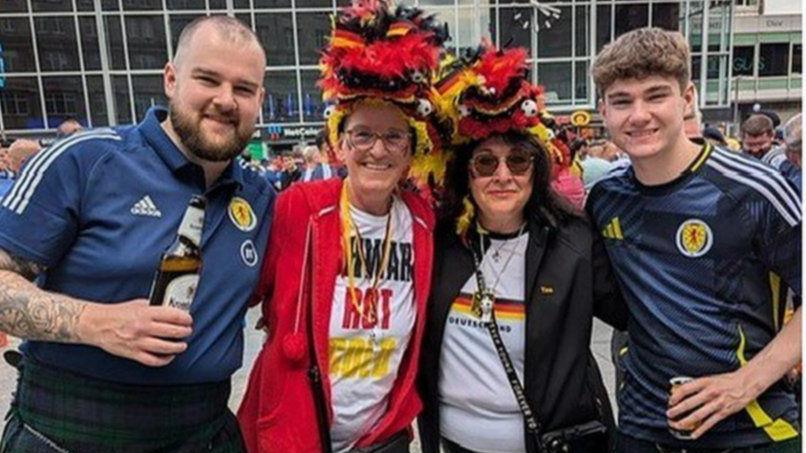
(101, 61)
(767, 49)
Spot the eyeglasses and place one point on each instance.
(363, 139)
(486, 164)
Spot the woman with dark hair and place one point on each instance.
(518, 276)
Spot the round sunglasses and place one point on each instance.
(486, 164)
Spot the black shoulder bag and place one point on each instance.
(590, 437)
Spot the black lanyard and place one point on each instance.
(533, 426)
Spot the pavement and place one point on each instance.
(600, 344)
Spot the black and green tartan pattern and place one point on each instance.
(82, 414)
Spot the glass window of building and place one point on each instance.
(604, 18)
(312, 105)
(97, 105)
(174, 5)
(313, 3)
(314, 30)
(630, 16)
(582, 92)
(148, 92)
(276, 33)
(141, 5)
(122, 100)
(773, 59)
(281, 104)
(258, 4)
(556, 79)
(743, 57)
(513, 26)
(85, 5)
(64, 98)
(666, 16)
(582, 30)
(21, 104)
(554, 41)
(796, 56)
(49, 6)
(18, 49)
(146, 42)
(56, 43)
(13, 6)
(114, 42)
(475, 23)
(89, 43)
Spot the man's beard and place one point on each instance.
(193, 138)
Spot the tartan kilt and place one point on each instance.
(59, 411)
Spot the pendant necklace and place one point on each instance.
(484, 297)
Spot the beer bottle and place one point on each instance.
(177, 276)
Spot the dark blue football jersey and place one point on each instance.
(698, 260)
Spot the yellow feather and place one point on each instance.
(466, 219)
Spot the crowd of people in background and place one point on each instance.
(761, 135)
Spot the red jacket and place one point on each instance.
(278, 412)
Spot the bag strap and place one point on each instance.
(314, 374)
(533, 426)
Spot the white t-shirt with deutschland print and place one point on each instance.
(365, 354)
(478, 409)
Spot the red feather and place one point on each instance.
(393, 58)
(499, 68)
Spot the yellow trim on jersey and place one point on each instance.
(778, 430)
(702, 157)
(775, 289)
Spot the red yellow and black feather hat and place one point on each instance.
(488, 92)
(378, 55)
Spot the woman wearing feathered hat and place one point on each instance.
(506, 363)
(348, 266)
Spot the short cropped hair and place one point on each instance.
(643, 53)
(757, 124)
(230, 29)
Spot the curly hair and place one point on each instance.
(643, 53)
(542, 202)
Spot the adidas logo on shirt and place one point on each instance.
(146, 207)
(613, 230)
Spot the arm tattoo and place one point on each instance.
(31, 313)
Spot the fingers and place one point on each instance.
(165, 330)
(157, 352)
(158, 313)
(143, 333)
(682, 392)
(695, 418)
(162, 347)
(170, 315)
(680, 405)
(709, 423)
